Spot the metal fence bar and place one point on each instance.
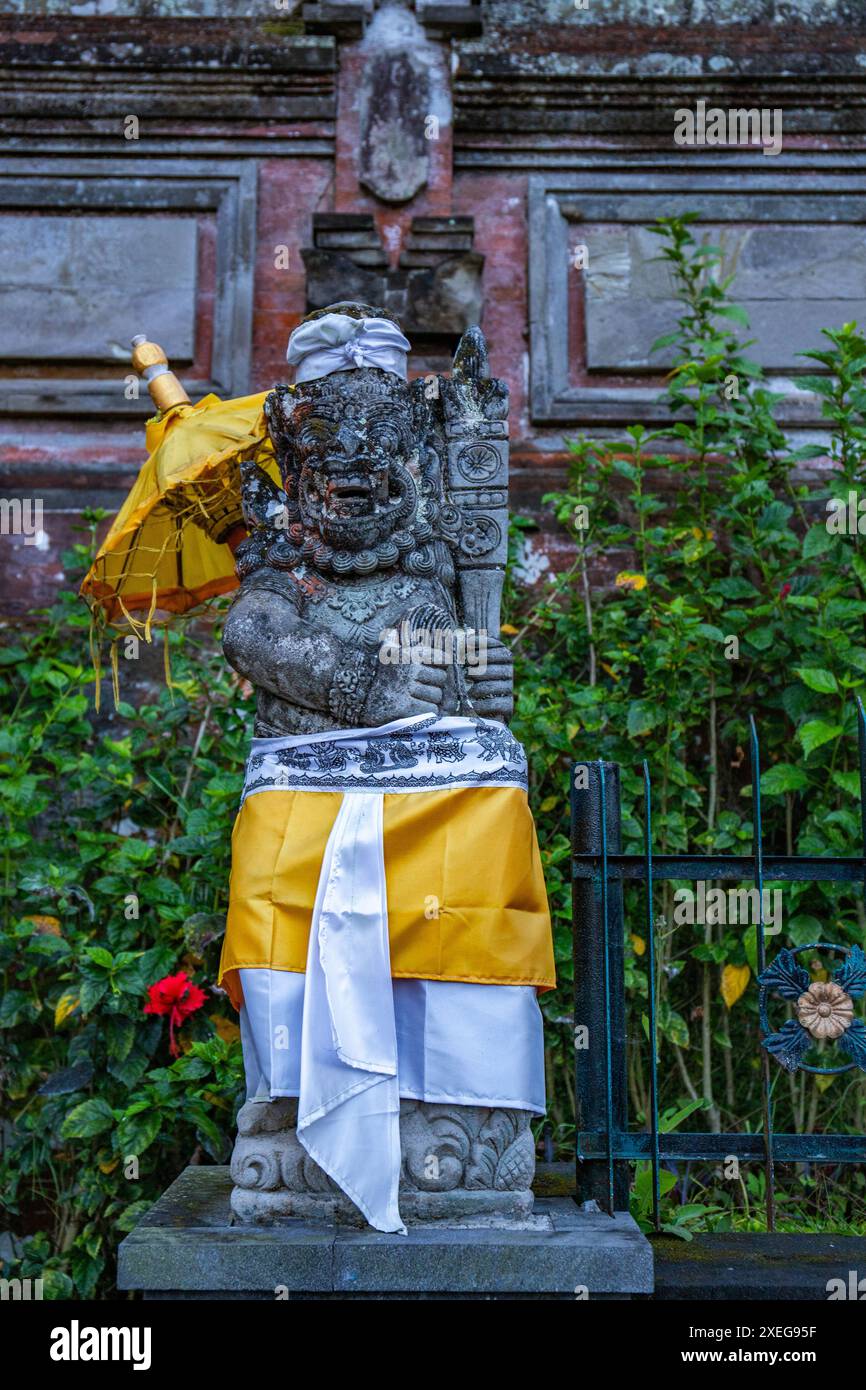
(608, 1046)
(766, 1086)
(651, 987)
(603, 1030)
(681, 1147)
(782, 868)
(861, 748)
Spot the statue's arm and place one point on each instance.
(266, 640)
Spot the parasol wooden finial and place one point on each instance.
(150, 361)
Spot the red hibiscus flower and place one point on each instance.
(177, 996)
(784, 591)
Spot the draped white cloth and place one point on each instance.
(457, 1043)
(339, 343)
(349, 1107)
(348, 1081)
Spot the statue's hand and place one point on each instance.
(491, 682)
(400, 690)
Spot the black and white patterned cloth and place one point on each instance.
(422, 753)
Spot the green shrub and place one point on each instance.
(114, 874)
(718, 540)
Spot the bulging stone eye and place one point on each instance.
(386, 441)
(314, 434)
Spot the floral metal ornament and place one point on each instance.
(824, 1009)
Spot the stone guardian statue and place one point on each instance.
(388, 928)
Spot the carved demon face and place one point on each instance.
(353, 457)
(349, 453)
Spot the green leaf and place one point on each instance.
(642, 716)
(804, 929)
(137, 1132)
(10, 656)
(91, 1117)
(761, 637)
(783, 777)
(100, 956)
(775, 516)
(816, 733)
(92, 991)
(673, 1026)
(129, 1069)
(56, 1284)
(817, 541)
(120, 1036)
(669, 1122)
(735, 587)
(666, 340)
(818, 678)
(14, 1003)
(210, 1136)
(848, 781)
(732, 311)
(191, 1067)
(821, 385)
(131, 1215)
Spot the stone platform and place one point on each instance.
(187, 1248)
(759, 1266)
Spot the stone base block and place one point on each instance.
(186, 1247)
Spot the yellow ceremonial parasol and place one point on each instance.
(171, 545)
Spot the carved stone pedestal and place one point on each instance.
(458, 1161)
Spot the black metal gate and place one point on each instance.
(605, 1144)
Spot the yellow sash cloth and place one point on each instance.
(465, 887)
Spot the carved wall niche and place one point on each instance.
(793, 233)
(435, 290)
(88, 250)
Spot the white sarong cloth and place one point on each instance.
(348, 1075)
(458, 1043)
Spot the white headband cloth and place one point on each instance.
(338, 343)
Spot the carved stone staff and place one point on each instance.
(475, 418)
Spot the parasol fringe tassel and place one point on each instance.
(95, 645)
(138, 628)
(115, 671)
(150, 612)
(167, 664)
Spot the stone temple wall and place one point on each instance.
(205, 171)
